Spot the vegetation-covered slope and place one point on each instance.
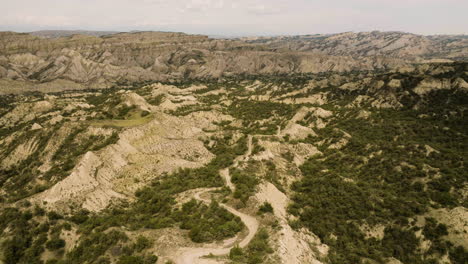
(362, 167)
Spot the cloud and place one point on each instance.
(38, 20)
(224, 17)
(261, 9)
(204, 5)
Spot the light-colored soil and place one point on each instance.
(164, 144)
(456, 220)
(294, 246)
(227, 178)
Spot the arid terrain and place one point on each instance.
(154, 147)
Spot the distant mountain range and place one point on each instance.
(393, 44)
(67, 33)
(56, 59)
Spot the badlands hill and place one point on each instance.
(375, 43)
(29, 62)
(154, 147)
(360, 167)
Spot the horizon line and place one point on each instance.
(231, 35)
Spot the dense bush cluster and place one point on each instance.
(265, 208)
(26, 237)
(188, 109)
(377, 178)
(246, 183)
(6, 104)
(253, 112)
(208, 223)
(255, 252)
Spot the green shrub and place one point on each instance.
(208, 223)
(95, 245)
(55, 244)
(142, 243)
(236, 252)
(434, 231)
(265, 208)
(137, 260)
(52, 215)
(157, 100)
(245, 184)
(255, 252)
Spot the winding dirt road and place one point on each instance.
(193, 255)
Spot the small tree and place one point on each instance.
(55, 244)
(265, 208)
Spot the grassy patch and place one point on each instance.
(134, 120)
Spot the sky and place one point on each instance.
(238, 17)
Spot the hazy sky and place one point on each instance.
(238, 17)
